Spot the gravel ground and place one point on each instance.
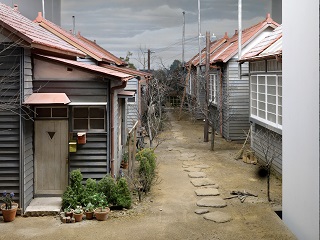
(169, 211)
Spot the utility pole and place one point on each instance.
(199, 34)
(206, 123)
(149, 57)
(43, 12)
(239, 34)
(183, 37)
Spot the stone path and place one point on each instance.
(205, 188)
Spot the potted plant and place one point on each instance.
(102, 211)
(78, 214)
(89, 211)
(125, 160)
(68, 211)
(9, 208)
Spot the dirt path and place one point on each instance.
(168, 213)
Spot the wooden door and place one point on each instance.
(51, 154)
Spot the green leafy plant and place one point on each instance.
(147, 168)
(107, 185)
(89, 207)
(100, 201)
(123, 194)
(78, 210)
(74, 195)
(125, 157)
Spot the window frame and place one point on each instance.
(51, 112)
(260, 101)
(213, 88)
(89, 129)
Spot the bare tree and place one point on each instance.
(269, 143)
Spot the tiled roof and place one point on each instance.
(31, 33)
(128, 71)
(214, 46)
(93, 68)
(105, 55)
(228, 48)
(84, 46)
(270, 45)
(231, 47)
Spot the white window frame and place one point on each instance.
(213, 88)
(259, 93)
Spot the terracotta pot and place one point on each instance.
(78, 217)
(9, 214)
(102, 215)
(89, 215)
(125, 165)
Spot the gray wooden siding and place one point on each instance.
(91, 158)
(28, 163)
(236, 105)
(277, 163)
(10, 73)
(132, 107)
(28, 157)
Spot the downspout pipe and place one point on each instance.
(123, 85)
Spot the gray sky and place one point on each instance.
(130, 25)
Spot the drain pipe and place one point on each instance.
(123, 85)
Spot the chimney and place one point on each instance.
(268, 19)
(226, 35)
(39, 18)
(15, 7)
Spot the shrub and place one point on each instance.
(73, 196)
(107, 185)
(123, 194)
(147, 168)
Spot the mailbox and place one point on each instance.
(82, 139)
(72, 146)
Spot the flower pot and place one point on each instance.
(78, 217)
(69, 214)
(125, 165)
(102, 215)
(9, 214)
(89, 215)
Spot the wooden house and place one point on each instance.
(228, 85)
(265, 75)
(56, 113)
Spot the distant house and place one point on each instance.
(265, 71)
(228, 86)
(127, 98)
(56, 113)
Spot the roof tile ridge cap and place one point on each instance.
(39, 18)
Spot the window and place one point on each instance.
(51, 112)
(274, 66)
(133, 98)
(213, 88)
(266, 99)
(89, 118)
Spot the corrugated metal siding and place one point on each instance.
(91, 158)
(9, 120)
(236, 117)
(277, 163)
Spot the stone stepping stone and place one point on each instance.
(197, 175)
(188, 155)
(192, 169)
(203, 166)
(216, 186)
(199, 182)
(207, 192)
(201, 211)
(218, 217)
(216, 202)
(188, 163)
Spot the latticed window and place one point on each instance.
(213, 88)
(266, 99)
(258, 66)
(89, 118)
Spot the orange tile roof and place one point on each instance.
(214, 46)
(19, 26)
(223, 49)
(110, 72)
(230, 49)
(129, 71)
(264, 44)
(84, 46)
(107, 56)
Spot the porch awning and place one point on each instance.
(47, 98)
(124, 94)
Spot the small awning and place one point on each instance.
(128, 94)
(47, 98)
